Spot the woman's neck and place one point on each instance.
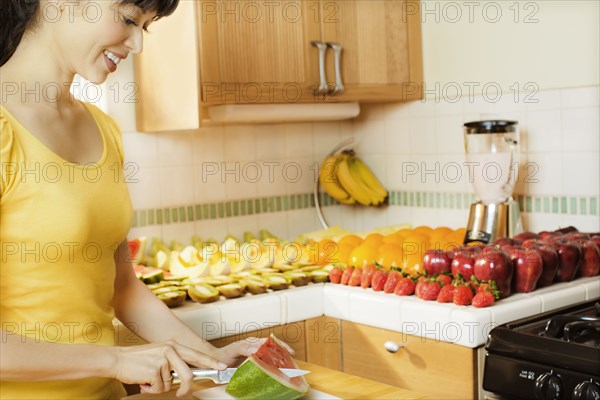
(36, 74)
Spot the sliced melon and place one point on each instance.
(319, 275)
(277, 281)
(137, 247)
(254, 286)
(203, 293)
(173, 299)
(232, 290)
(259, 376)
(298, 278)
(152, 276)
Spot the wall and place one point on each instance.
(205, 182)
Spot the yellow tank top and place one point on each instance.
(60, 224)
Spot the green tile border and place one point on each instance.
(554, 204)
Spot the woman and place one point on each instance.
(65, 212)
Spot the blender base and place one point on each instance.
(487, 222)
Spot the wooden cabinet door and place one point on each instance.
(166, 74)
(381, 42)
(436, 369)
(258, 52)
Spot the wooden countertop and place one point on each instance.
(327, 380)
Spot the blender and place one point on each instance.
(492, 151)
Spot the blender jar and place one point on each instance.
(492, 151)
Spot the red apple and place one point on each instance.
(577, 236)
(569, 254)
(590, 265)
(463, 263)
(547, 234)
(526, 235)
(528, 267)
(568, 229)
(549, 256)
(437, 261)
(596, 239)
(494, 264)
(506, 242)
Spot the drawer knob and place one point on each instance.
(392, 346)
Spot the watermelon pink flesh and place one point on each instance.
(259, 376)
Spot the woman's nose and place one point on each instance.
(135, 41)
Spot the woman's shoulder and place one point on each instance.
(108, 125)
(9, 153)
(105, 120)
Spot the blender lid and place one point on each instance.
(491, 126)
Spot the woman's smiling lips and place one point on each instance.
(112, 59)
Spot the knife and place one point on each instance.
(224, 376)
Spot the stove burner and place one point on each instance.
(556, 326)
(585, 332)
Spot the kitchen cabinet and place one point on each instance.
(323, 342)
(436, 369)
(244, 52)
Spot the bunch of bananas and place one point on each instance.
(349, 180)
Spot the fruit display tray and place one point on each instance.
(465, 326)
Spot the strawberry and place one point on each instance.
(489, 287)
(405, 287)
(463, 295)
(483, 299)
(335, 275)
(367, 275)
(444, 279)
(428, 289)
(355, 277)
(379, 279)
(446, 294)
(346, 275)
(392, 280)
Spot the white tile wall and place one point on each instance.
(560, 148)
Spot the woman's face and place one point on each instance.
(93, 36)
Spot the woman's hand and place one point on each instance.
(234, 353)
(150, 366)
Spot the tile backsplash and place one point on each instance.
(230, 179)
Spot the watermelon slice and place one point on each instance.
(137, 247)
(259, 377)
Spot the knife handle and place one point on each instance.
(198, 374)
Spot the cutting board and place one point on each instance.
(218, 393)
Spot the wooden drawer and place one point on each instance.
(324, 342)
(435, 369)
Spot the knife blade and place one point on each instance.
(224, 376)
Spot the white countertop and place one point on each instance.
(465, 326)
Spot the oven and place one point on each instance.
(554, 355)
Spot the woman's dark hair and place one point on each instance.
(18, 16)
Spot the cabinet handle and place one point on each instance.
(392, 346)
(323, 86)
(337, 56)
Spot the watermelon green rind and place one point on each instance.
(259, 376)
(253, 382)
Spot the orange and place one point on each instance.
(323, 251)
(373, 240)
(441, 230)
(342, 254)
(351, 239)
(393, 238)
(412, 264)
(418, 239)
(404, 232)
(362, 255)
(390, 255)
(424, 230)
